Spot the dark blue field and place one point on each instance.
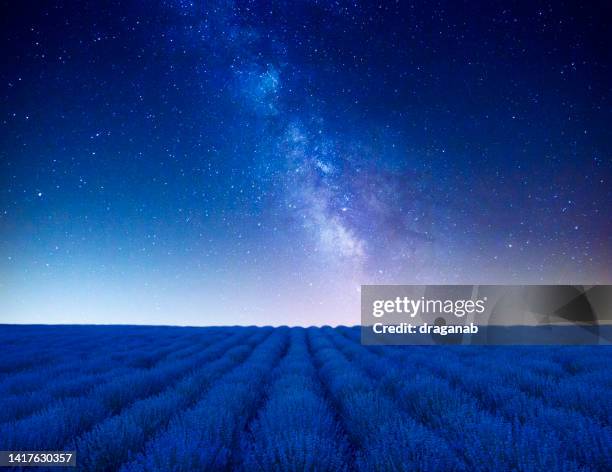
(260, 399)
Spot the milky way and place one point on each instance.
(235, 162)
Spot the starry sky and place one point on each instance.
(233, 162)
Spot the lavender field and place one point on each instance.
(295, 399)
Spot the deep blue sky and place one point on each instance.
(235, 162)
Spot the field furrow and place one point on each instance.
(202, 437)
(385, 440)
(296, 429)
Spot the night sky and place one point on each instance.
(224, 162)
